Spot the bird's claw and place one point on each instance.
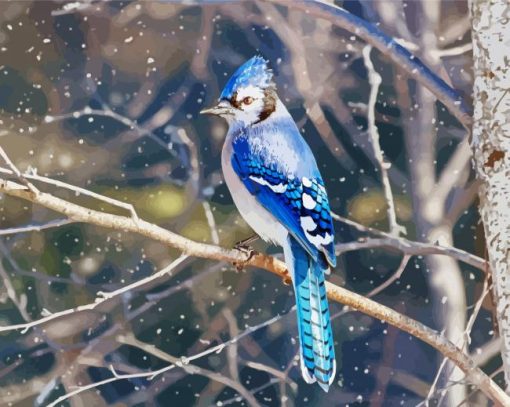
(246, 242)
(246, 250)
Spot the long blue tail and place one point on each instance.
(314, 324)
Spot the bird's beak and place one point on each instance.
(220, 109)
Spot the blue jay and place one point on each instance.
(278, 189)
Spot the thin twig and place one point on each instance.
(405, 246)
(232, 351)
(36, 228)
(17, 172)
(211, 222)
(466, 341)
(152, 374)
(469, 327)
(457, 167)
(19, 301)
(253, 391)
(283, 376)
(7, 254)
(473, 392)
(478, 306)
(234, 383)
(375, 80)
(107, 112)
(78, 191)
(102, 297)
(395, 276)
(454, 51)
(432, 390)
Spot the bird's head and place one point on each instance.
(249, 96)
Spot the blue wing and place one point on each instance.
(300, 203)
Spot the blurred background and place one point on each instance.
(106, 95)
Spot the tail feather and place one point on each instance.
(314, 325)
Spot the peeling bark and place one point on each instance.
(490, 142)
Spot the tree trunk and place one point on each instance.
(491, 147)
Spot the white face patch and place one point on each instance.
(249, 91)
(308, 201)
(249, 113)
(279, 188)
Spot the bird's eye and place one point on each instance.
(247, 100)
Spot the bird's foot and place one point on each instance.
(246, 242)
(244, 247)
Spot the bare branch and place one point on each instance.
(375, 80)
(408, 247)
(232, 353)
(275, 372)
(191, 248)
(17, 172)
(454, 51)
(19, 301)
(72, 7)
(254, 391)
(476, 310)
(107, 112)
(393, 278)
(437, 53)
(389, 47)
(467, 332)
(485, 353)
(152, 374)
(36, 228)
(215, 238)
(457, 167)
(466, 341)
(103, 297)
(77, 190)
(129, 339)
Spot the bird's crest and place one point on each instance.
(254, 72)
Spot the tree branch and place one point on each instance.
(191, 248)
(129, 339)
(406, 246)
(375, 81)
(389, 47)
(35, 228)
(183, 361)
(102, 298)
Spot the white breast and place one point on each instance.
(259, 219)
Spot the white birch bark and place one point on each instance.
(491, 147)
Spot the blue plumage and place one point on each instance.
(253, 72)
(314, 324)
(276, 185)
(253, 157)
